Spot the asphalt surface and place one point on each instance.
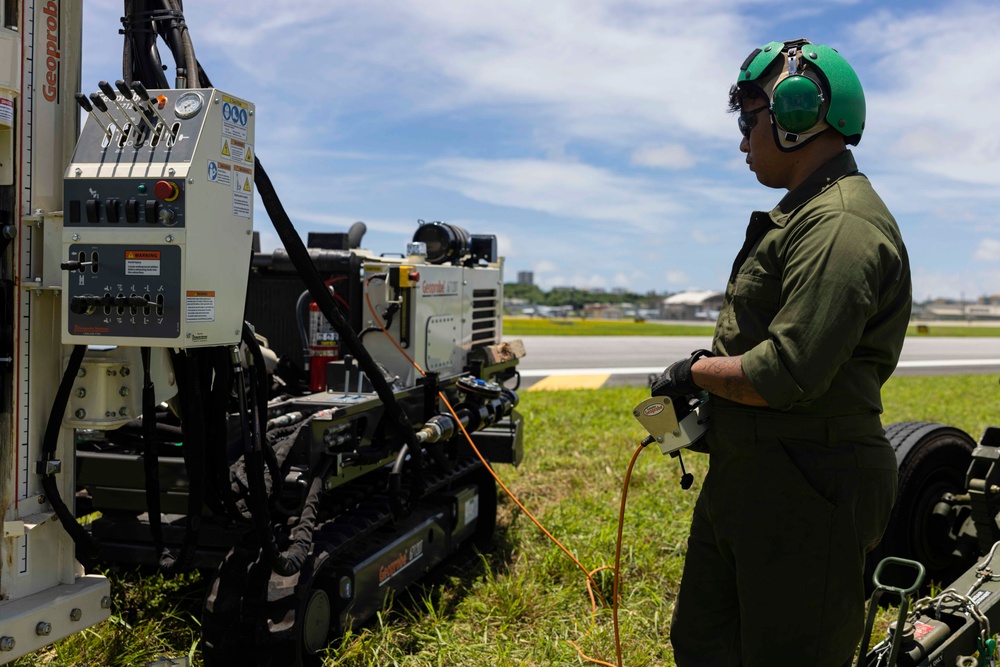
(581, 361)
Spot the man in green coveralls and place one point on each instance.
(801, 478)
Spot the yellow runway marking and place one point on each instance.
(554, 382)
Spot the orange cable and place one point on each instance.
(618, 551)
(478, 454)
(591, 584)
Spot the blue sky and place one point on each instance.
(591, 136)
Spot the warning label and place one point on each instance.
(220, 172)
(242, 191)
(200, 307)
(142, 262)
(237, 151)
(6, 112)
(235, 118)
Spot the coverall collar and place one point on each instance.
(829, 173)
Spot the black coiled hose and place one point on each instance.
(50, 442)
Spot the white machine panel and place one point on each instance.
(436, 297)
(158, 222)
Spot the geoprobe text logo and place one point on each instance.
(439, 288)
(400, 562)
(653, 410)
(50, 91)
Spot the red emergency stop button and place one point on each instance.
(166, 190)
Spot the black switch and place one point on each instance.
(74, 210)
(152, 211)
(132, 210)
(114, 207)
(93, 210)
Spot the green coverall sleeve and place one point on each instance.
(834, 265)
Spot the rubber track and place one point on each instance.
(264, 630)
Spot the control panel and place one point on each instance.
(158, 218)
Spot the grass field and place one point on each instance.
(524, 603)
(526, 326)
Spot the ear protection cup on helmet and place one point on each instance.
(801, 102)
(797, 104)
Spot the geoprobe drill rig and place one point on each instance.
(159, 366)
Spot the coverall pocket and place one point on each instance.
(758, 287)
(815, 468)
(756, 301)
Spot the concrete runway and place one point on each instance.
(566, 362)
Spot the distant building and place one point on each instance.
(608, 311)
(525, 278)
(692, 306)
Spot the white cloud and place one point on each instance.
(579, 280)
(927, 108)
(577, 67)
(698, 236)
(988, 250)
(969, 285)
(676, 278)
(378, 110)
(666, 156)
(568, 189)
(544, 266)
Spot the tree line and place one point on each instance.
(577, 298)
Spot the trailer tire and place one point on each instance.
(932, 460)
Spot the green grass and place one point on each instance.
(524, 602)
(540, 326)
(954, 330)
(524, 326)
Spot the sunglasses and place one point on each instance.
(748, 119)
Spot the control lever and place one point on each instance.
(143, 94)
(113, 96)
(74, 265)
(85, 304)
(133, 301)
(85, 104)
(127, 92)
(674, 425)
(98, 102)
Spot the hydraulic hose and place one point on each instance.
(150, 456)
(289, 562)
(50, 442)
(141, 60)
(217, 431)
(195, 444)
(258, 378)
(254, 463)
(299, 255)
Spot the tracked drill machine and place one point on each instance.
(315, 426)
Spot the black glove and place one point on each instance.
(676, 380)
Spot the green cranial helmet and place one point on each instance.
(810, 87)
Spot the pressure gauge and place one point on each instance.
(188, 104)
